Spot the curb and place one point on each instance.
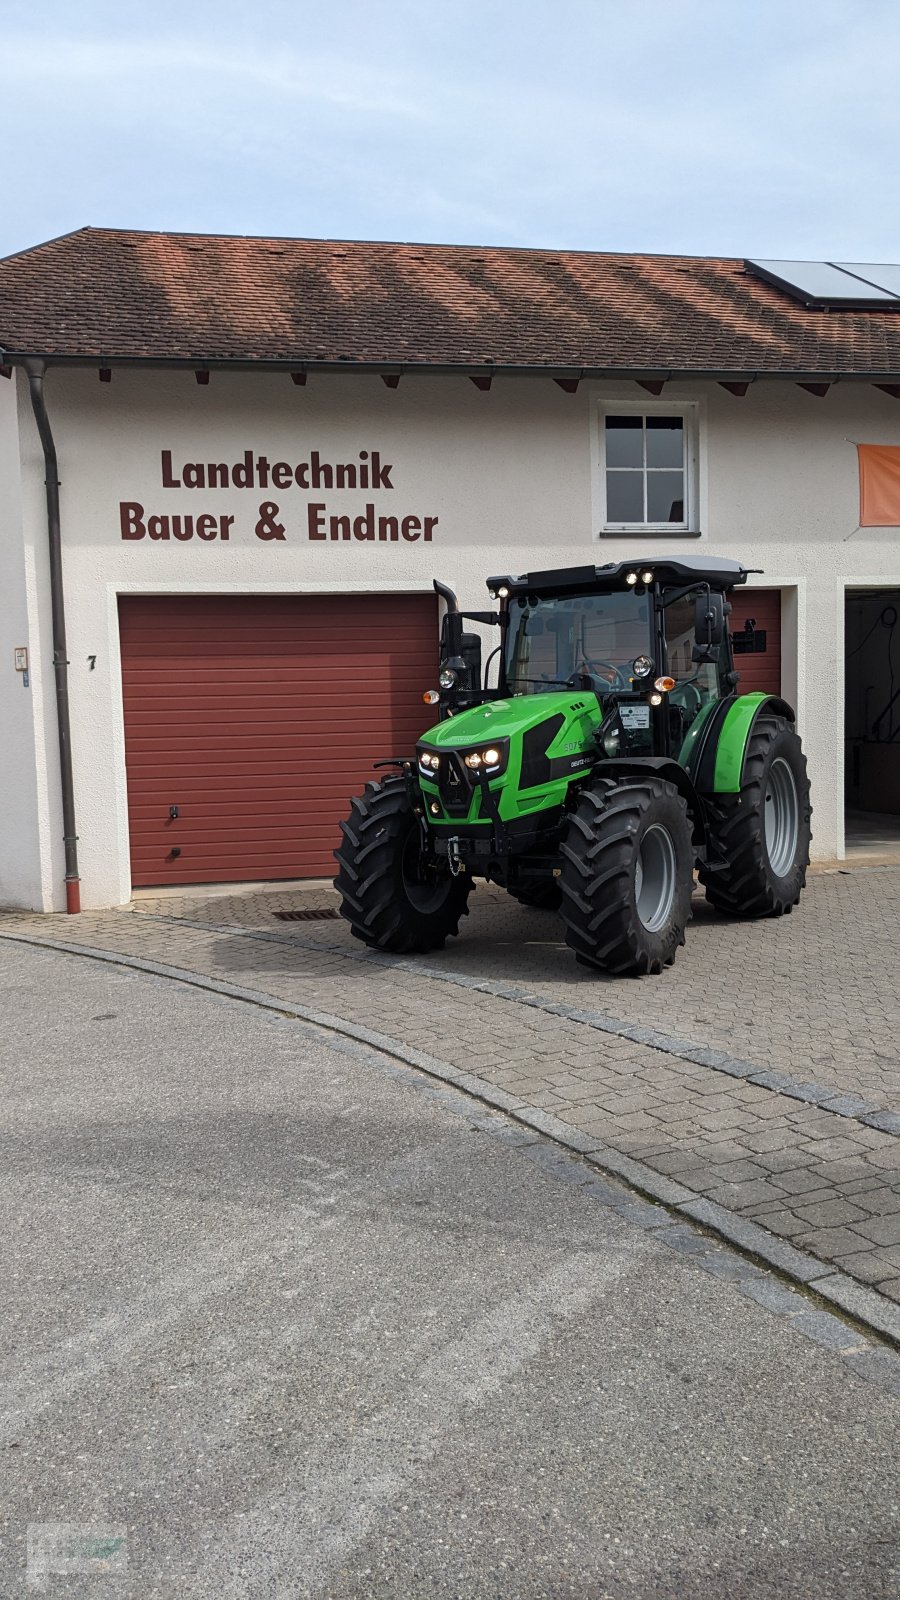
(836, 1289)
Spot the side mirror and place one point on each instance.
(709, 625)
(470, 650)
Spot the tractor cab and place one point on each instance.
(649, 643)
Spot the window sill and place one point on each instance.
(646, 531)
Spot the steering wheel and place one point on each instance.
(611, 675)
(688, 698)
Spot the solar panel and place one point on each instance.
(827, 283)
(884, 276)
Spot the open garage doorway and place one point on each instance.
(872, 723)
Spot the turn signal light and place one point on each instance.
(431, 697)
(665, 685)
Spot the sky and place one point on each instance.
(698, 127)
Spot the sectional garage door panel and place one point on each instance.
(257, 719)
(759, 669)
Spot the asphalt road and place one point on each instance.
(281, 1320)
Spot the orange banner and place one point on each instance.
(879, 485)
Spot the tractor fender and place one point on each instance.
(734, 735)
(658, 767)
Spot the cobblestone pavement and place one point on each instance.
(761, 1071)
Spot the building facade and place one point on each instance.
(249, 543)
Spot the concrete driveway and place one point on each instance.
(284, 1317)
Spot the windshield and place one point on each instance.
(594, 636)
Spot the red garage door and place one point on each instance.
(760, 668)
(255, 719)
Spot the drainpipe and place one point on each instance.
(36, 370)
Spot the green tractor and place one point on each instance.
(613, 757)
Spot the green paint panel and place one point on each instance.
(733, 742)
(512, 719)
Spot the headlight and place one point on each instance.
(427, 760)
(642, 666)
(473, 760)
(447, 678)
(491, 757)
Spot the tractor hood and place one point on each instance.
(502, 719)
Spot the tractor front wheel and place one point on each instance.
(627, 876)
(394, 895)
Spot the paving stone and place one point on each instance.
(886, 1158)
(877, 1366)
(849, 1105)
(737, 1171)
(774, 1296)
(879, 1202)
(686, 1240)
(866, 1265)
(779, 1081)
(782, 1159)
(890, 1286)
(830, 1332)
(881, 1230)
(885, 1121)
(773, 1145)
(742, 1196)
(866, 1304)
(798, 1181)
(565, 1168)
(835, 1149)
(784, 1223)
(829, 1213)
(833, 1244)
(643, 1213)
(731, 1267)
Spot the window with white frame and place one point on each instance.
(648, 468)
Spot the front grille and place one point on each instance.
(320, 914)
(455, 785)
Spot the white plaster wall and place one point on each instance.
(511, 475)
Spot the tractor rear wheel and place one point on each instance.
(764, 831)
(393, 894)
(627, 875)
(541, 895)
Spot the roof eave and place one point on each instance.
(450, 369)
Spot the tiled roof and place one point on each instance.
(102, 295)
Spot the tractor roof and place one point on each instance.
(718, 571)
